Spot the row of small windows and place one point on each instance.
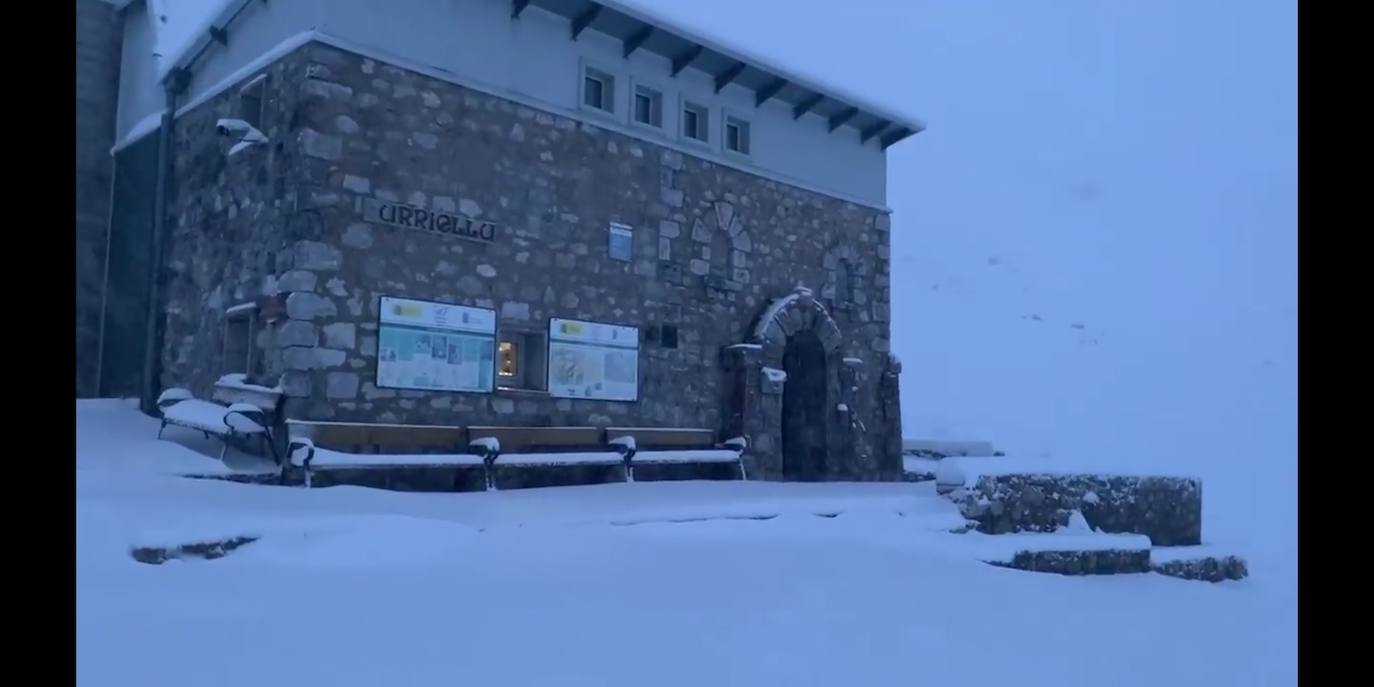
(646, 108)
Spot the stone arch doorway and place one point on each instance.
(804, 445)
(789, 399)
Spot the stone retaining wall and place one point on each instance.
(1166, 509)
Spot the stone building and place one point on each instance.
(497, 212)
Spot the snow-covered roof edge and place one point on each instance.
(648, 16)
(179, 39)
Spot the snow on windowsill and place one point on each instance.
(236, 381)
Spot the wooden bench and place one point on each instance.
(673, 446)
(540, 447)
(324, 446)
(180, 408)
(315, 446)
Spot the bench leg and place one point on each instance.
(744, 477)
(629, 472)
(271, 447)
(160, 428)
(223, 448)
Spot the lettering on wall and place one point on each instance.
(431, 221)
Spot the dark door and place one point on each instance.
(803, 408)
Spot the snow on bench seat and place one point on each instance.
(326, 459)
(688, 456)
(572, 458)
(208, 417)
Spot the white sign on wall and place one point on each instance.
(435, 346)
(593, 360)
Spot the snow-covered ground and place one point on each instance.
(617, 584)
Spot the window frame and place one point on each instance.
(529, 378)
(729, 118)
(257, 87)
(662, 98)
(246, 315)
(702, 111)
(608, 80)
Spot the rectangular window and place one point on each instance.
(737, 135)
(520, 360)
(250, 102)
(598, 90)
(239, 326)
(695, 122)
(621, 245)
(648, 106)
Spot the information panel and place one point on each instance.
(435, 346)
(593, 360)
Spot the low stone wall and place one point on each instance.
(1111, 562)
(1166, 509)
(1207, 569)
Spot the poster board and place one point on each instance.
(593, 360)
(435, 346)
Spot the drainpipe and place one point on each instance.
(174, 84)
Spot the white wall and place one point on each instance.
(532, 59)
(139, 94)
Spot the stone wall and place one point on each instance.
(99, 29)
(713, 247)
(227, 242)
(1166, 509)
(1107, 562)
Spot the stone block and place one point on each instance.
(669, 229)
(316, 358)
(318, 145)
(296, 280)
(514, 310)
(341, 385)
(313, 255)
(309, 306)
(296, 384)
(340, 335)
(297, 333)
(700, 232)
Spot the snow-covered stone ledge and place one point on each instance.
(1106, 562)
(1198, 563)
(1166, 509)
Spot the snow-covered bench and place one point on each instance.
(315, 446)
(242, 420)
(673, 446)
(323, 446)
(532, 447)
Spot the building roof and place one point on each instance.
(186, 29)
(639, 28)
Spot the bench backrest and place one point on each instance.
(516, 439)
(358, 437)
(648, 438)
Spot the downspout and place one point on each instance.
(174, 84)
